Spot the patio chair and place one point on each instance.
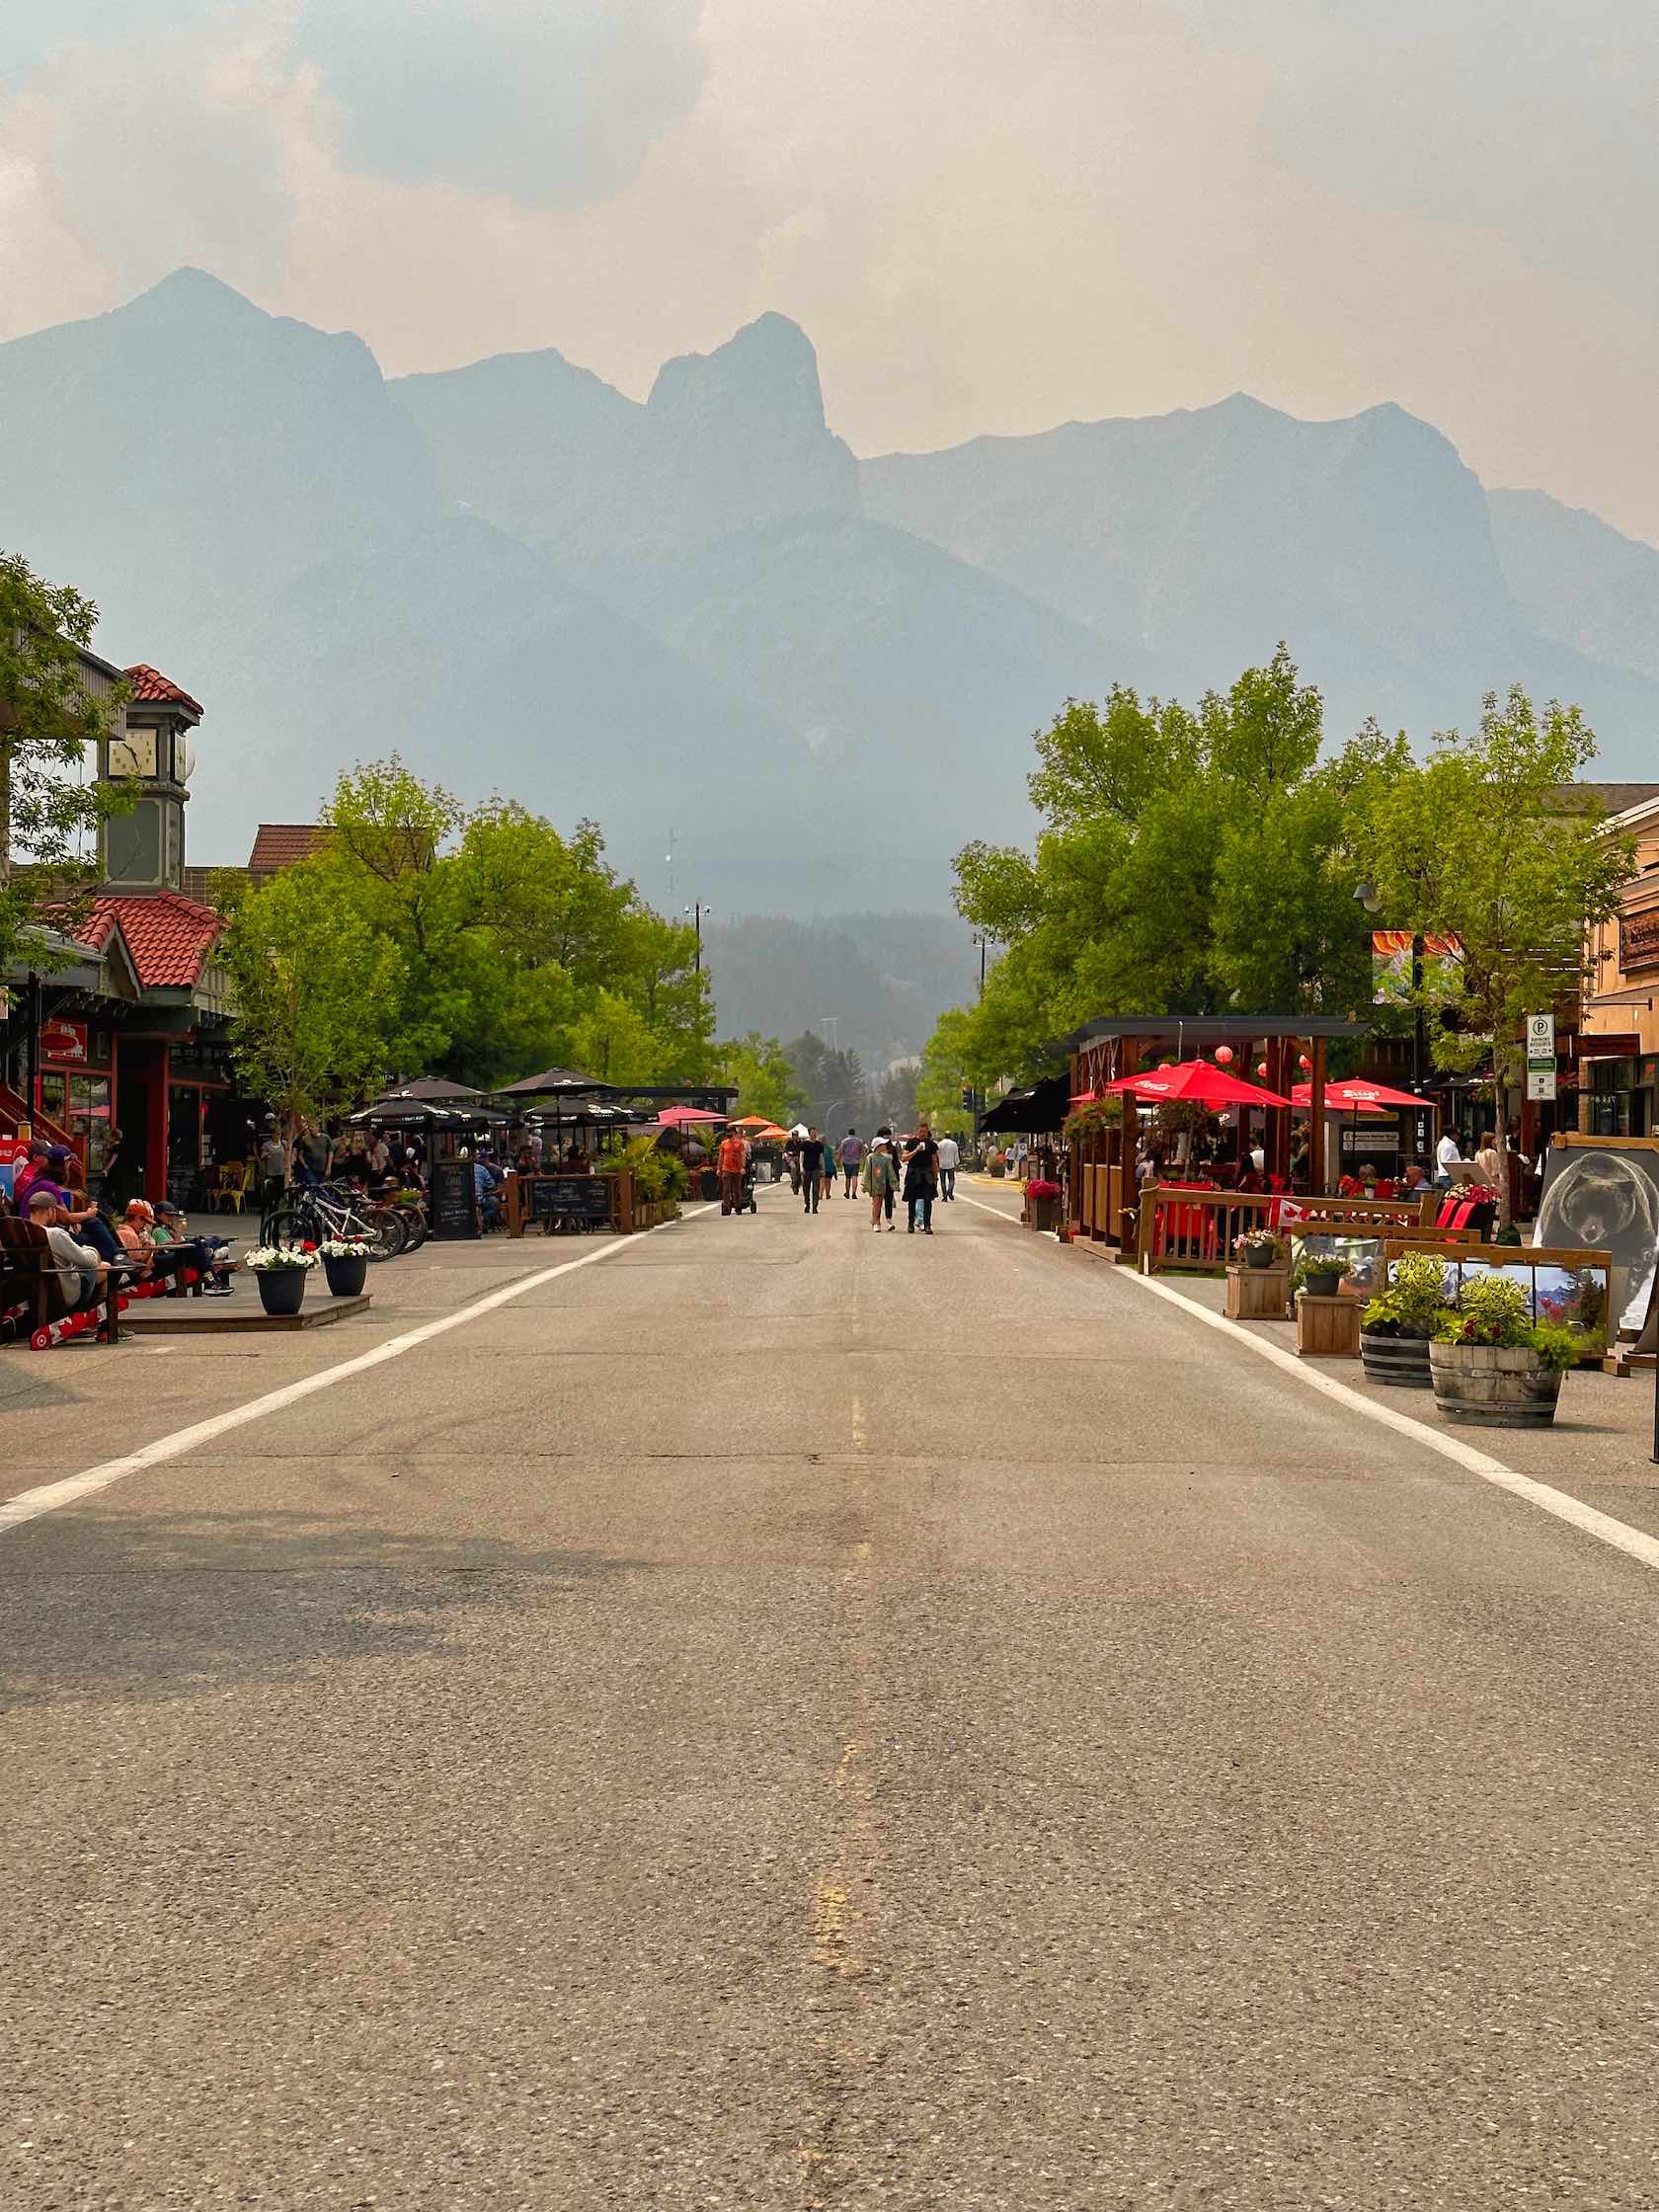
(230, 1187)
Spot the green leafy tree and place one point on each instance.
(612, 1040)
(51, 712)
(766, 1080)
(310, 981)
(1486, 841)
(948, 1067)
(1191, 861)
(831, 1082)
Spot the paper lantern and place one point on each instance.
(1223, 1056)
(1261, 1070)
(1305, 1064)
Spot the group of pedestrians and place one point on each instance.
(920, 1169)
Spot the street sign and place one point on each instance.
(1540, 1056)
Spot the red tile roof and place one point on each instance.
(156, 689)
(169, 937)
(278, 845)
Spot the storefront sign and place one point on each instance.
(64, 1042)
(1540, 1056)
(1638, 941)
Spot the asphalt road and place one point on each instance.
(789, 1717)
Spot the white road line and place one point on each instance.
(1636, 1544)
(50, 1497)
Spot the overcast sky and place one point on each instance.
(989, 214)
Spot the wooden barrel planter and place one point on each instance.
(1493, 1386)
(1400, 1360)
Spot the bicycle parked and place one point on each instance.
(310, 1216)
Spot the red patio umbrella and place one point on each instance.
(1199, 1080)
(678, 1117)
(1360, 1097)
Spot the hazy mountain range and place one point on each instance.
(702, 614)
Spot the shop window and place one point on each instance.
(54, 1099)
(89, 1118)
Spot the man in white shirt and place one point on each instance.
(1446, 1157)
(950, 1159)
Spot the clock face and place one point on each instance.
(133, 755)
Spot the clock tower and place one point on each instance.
(144, 851)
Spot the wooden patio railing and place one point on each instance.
(1194, 1230)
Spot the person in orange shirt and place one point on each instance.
(732, 1160)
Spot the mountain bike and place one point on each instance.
(311, 1217)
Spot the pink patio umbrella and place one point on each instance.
(680, 1116)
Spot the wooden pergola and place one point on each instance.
(1126, 1045)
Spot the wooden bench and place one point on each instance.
(31, 1294)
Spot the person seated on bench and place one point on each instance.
(207, 1253)
(150, 1261)
(79, 1269)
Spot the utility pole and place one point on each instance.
(698, 910)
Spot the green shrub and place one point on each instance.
(1415, 1298)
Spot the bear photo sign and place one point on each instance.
(1602, 1193)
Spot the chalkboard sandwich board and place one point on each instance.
(453, 1200)
(578, 1198)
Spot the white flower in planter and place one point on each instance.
(271, 1259)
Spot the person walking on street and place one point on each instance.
(950, 1159)
(921, 1178)
(812, 1170)
(730, 1159)
(878, 1181)
(886, 1143)
(850, 1151)
(792, 1160)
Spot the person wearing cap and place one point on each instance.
(34, 1170)
(204, 1253)
(78, 1267)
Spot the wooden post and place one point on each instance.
(1279, 1117)
(1317, 1177)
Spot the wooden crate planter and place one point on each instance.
(1257, 1293)
(1043, 1213)
(1327, 1329)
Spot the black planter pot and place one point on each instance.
(1259, 1255)
(345, 1277)
(1319, 1285)
(1400, 1360)
(281, 1290)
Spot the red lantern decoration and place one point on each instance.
(1261, 1070)
(1305, 1064)
(1223, 1056)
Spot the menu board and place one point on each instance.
(452, 1201)
(580, 1198)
